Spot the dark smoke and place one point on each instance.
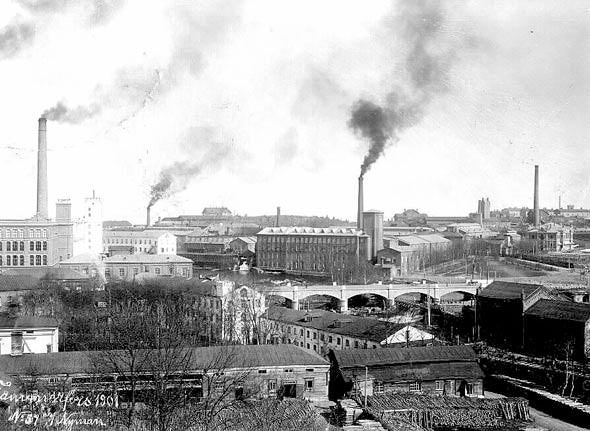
(176, 177)
(64, 114)
(428, 62)
(15, 37)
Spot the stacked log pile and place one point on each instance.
(440, 412)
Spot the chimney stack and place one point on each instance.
(359, 217)
(42, 199)
(149, 210)
(537, 218)
(278, 219)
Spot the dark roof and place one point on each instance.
(27, 322)
(352, 326)
(412, 372)
(508, 290)
(560, 310)
(251, 356)
(47, 273)
(410, 355)
(17, 282)
(113, 223)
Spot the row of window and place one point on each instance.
(20, 233)
(19, 260)
(135, 271)
(20, 245)
(280, 239)
(128, 241)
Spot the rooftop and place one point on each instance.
(147, 258)
(508, 290)
(17, 282)
(238, 356)
(411, 355)
(339, 231)
(560, 310)
(25, 322)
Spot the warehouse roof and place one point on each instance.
(560, 310)
(508, 290)
(340, 231)
(18, 282)
(199, 358)
(400, 373)
(27, 322)
(411, 355)
(147, 258)
(352, 326)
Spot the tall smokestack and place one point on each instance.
(278, 219)
(537, 218)
(359, 217)
(148, 221)
(42, 200)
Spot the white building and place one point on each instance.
(28, 334)
(88, 228)
(146, 241)
(136, 267)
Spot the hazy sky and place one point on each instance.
(246, 104)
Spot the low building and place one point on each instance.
(138, 266)
(139, 240)
(24, 335)
(549, 237)
(243, 244)
(216, 212)
(446, 370)
(471, 231)
(311, 251)
(500, 308)
(14, 287)
(245, 372)
(558, 329)
(407, 254)
(322, 331)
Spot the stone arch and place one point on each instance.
(452, 296)
(383, 298)
(396, 294)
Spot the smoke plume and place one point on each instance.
(97, 12)
(15, 37)
(61, 113)
(176, 177)
(428, 60)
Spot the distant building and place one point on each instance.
(216, 212)
(141, 266)
(483, 208)
(322, 331)
(242, 309)
(470, 231)
(312, 251)
(243, 244)
(24, 335)
(550, 237)
(407, 254)
(149, 241)
(444, 370)
(88, 228)
(571, 212)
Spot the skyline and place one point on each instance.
(274, 87)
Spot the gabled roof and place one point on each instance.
(147, 258)
(560, 310)
(508, 290)
(200, 358)
(411, 355)
(332, 231)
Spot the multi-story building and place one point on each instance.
(38, 241)
(138, 266)
(550, 237)
(322, 331)
(313, 251)
(88, 228)
(149, 241)
(406, 254)
(571, 212)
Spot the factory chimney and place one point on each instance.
(148, 221)
(359, 217)
(278, 219)
(537, 219)
(42, 200)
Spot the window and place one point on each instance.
(157, 271)
(469, 389)
(8, 248)
(21, 260)
(308, 385)
(14, 260)
(0, 245)
(439, 385)
(272, 386)
(356, 344)
(415, 386)
(44, 245)
(307, 334)
(301, 332)
(107, 272)
(21, 246)
(16, 341)
(308, 345)
(322, 337)
(49, 348)
(378, 388)
(45, 259)
(261, 371)
(121, 272)
(330, 339)
(31, 260)
(14, 245)
(315, 335)
(32, 245)
(338, 341)
(38, 246)
(0, 260)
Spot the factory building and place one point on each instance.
(88, 228)
(311, 251)
(38, 241)
(131, 241)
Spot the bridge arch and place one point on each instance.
(382, 298)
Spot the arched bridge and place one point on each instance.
(388, 291)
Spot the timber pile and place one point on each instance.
(433, 412)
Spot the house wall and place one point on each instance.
(129, 270)
(500, 322)
(450, 387)
(34, 340)
(556, 337)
